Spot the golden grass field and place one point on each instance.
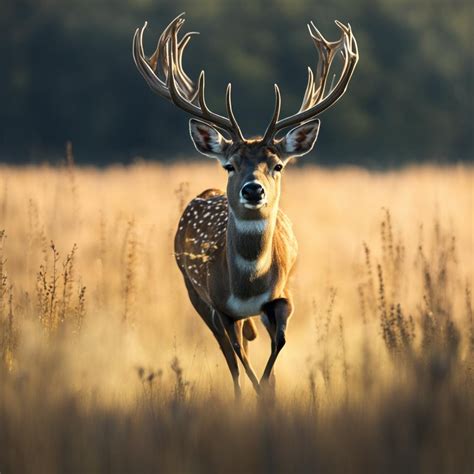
(107, 368)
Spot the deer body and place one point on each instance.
(236, 250)
(234, 269)
(235, 266)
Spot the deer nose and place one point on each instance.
(253, 192)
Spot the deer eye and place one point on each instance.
(278, 167)
(229, 168)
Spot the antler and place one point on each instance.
(176, 85)
(315, 101)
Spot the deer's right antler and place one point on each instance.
(176, 85)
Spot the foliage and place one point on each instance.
(68, 75)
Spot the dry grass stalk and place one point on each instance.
(182, 194)
(54, 289)
(345, 366)
(181, 385)
(395, 363)
(469, 314)
(325, 363)
(8, 331)
(71, 176)
(129, 271)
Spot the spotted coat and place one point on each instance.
(200, 251)
(203, 225)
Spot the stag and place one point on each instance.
(236, 250)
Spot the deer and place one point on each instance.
(236, 250)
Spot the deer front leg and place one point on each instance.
(232, 328)
(231, 360)
(275, 317)
(226, 347)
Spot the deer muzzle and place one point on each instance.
(252, 195)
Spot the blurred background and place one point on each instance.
(68, 74)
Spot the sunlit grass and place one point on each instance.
(106, 367)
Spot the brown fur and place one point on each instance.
(237, 260)
(236, 253)
(201, 252)
(249, 330)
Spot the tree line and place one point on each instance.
(67, 74)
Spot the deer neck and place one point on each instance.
(249, 252)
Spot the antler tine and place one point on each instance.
(169, 39)
(276, 114)
(148, 68)
(177, 86)
(185, 84)
(162, 40)
(176, 96)
(331, 87)
(315, 33)
(181, 47)
(326, 52)
(309, 91)
(344, 28)
(171, 33)
(153, 81)
(200, 93)
(158, 58)
(230, 111)
(315, 101)
(183, 103)
(320, 43)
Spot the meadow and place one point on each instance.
(105, 366)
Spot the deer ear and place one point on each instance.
(208, 140)
(300, 140)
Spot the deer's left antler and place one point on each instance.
(315, 99)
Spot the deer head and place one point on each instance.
(254, 165)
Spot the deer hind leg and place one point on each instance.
(248, 332)
(211, 319)
(234, 331)
(245, 334)
(275, 317)
(244, 343)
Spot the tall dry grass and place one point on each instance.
(106, 367)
